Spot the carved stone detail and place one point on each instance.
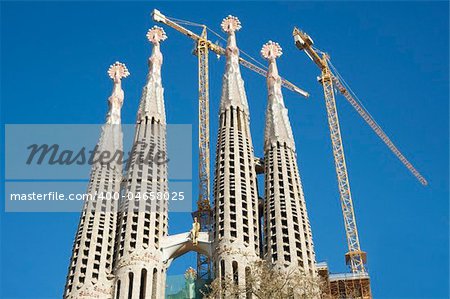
(271, 50)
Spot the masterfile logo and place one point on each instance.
(68, 151)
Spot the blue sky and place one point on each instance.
(54, 58)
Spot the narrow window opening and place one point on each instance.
(222, 269)
(118, 290)
(130, 285)
(154, 283)
(235, 273)
(231, 117)
(143, 284)
(239, 120)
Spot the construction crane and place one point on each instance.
(202, 48)
(355, 257)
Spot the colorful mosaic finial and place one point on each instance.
(156, 34)
(271, 50)
(118, 71)
(231, 24)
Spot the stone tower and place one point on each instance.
(287, 232)
(236, 223)
(91, 265)
(139, 269)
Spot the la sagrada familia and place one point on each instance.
(122, 247)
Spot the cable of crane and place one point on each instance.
(317, 50)
(184, 22)
(216, 34)
(338, 75)
(354, 95)
(254, 60)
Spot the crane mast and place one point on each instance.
(204, 212)
(355, 258)
(203, 124)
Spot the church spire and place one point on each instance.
(236, 218)
(111, 135)
(288, 240)
(152, 100)
(140, 270)
(278, 127)
(91, 265)
(233, 92)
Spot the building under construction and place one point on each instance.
(123, 250)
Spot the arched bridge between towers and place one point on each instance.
(176, 245)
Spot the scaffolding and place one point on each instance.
(344, 285)
(204, 216)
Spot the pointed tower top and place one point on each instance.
(152, 100)
(231, 24)
(116, 72)
(278, 127)
(156, 35)
(271, 50)
(233, 91)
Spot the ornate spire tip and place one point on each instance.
(118, 71)
(271, 50)
(231, 24)
(156, 34)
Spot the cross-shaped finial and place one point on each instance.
(271, 50)
(156, 34)
(231, 24)
(118, 71)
